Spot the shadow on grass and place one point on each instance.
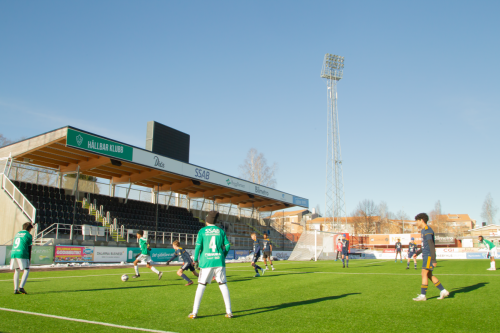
(464, 289)
(284, 306)
(467, 289)
(97, 289)
(267, 275)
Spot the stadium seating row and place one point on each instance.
(55, 206)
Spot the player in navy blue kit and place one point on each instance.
(428, 251)
(186, 258)
(412, 249)
(345, 252)
(268, 251)
(256, 254)
(398, 247)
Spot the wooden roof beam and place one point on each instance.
(137, 177)
(87, 165)
(258, 204)
(179, 186)
(235, 200)
(210, 193)
(273, 208)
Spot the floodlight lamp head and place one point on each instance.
(333, 67)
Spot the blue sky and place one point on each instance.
(418, 105)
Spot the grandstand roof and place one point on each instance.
(68, 149)
(287, 213)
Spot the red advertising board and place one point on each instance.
(70, 253)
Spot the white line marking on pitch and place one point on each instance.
(82, 276)
(85, 321)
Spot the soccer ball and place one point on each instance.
(124, 277)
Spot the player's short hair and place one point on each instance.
(481, 237)
(253, 233)
(265, 235)
(140, 232)
(176, 243)
(422, 216)
(212, 217)
(27, 226)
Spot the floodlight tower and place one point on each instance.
(335, 211)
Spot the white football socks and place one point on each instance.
(225, 294)
(199, 295)
(25, 277)
(155, 270)
(136, 268)
(16, 279)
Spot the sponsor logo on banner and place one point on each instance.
(97, 144)
(230, 255)
(235, 183)
(159, 163)
(241, 253)
(477, 255)
(282, 255)
(72, 253)
(389, 251)
(260, 191)
(378, 239)
(42, 255)
(132, 252)
(444, 239)
(161, 255)
(300, 201)
(110, 254)
(203, 174)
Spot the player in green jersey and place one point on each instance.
(492, 252)
(144, 256)
(210, 254)
(20, 256)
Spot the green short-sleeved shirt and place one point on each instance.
(213, 244)
(21, 244)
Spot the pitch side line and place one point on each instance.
(82, 276)
(85, 321)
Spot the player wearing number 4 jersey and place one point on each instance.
(21, 256)
(211, 250)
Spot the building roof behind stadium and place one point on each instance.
(69, 149)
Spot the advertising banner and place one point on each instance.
(3, 251)
(230, 255)
(161, 255)
(476, 255)
(132, 252)
(444, 239)
(282, 255)
(70, 253)
(418, 238)
(42, 255)
(241, 253)
(110, 254)
(405, 239)
(8, 249)
(97, 144)
(378, 239)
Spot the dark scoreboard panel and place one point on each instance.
(167, 141)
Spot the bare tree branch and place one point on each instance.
(489, 209)
(256, 170)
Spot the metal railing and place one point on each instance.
(28, 209)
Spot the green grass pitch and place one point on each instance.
(370, 296)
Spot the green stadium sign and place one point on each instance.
(98, 145)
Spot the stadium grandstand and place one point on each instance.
(122, 189)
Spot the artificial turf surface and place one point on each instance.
(370, 296)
